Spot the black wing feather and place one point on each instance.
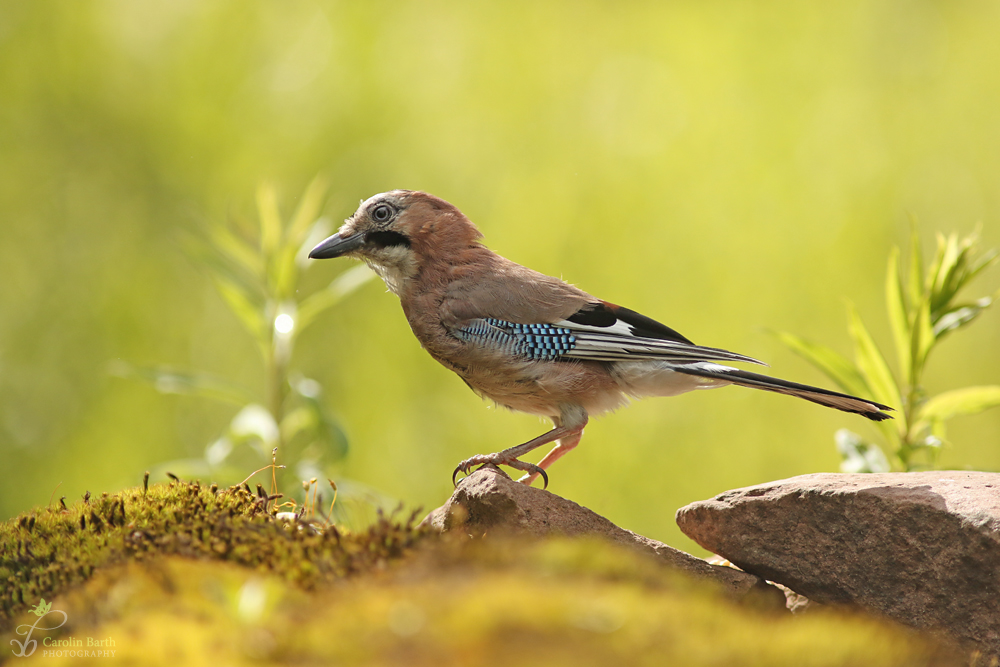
(604, 314)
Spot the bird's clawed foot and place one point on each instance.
(499, 459)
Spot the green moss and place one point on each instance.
(187, 574)
(49, 550)
(459, 602)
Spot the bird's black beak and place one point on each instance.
(337, 245)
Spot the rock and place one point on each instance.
(489, 500)
(921, 548)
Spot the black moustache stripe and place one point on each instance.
(386, 239)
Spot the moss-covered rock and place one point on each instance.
(190, 575)
(49, 550)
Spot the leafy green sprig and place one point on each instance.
(923, 309)
(258, 273)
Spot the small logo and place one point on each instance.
(63, 647)
(41, 610)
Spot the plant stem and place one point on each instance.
(277, 373)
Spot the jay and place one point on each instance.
(528, 341)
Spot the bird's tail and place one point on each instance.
(830, 399)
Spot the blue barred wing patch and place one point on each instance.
(567, 340)
(533, 341)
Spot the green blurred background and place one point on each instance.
(723, 167)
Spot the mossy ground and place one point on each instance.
(187, 574)
(52, 549)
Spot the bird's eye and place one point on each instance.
(382, 213)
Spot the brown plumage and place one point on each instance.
(529, 341)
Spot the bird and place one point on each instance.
(528, 341)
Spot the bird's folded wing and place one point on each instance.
(616, 345)
(568, 339)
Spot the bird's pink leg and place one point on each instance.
(509, 457)
(565, 444)
(568, 431)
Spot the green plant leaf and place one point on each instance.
(270, 219)
(284, 272)
(916, 274)
(967, 401)
(954, 279)
(307, 212)
(241, 253)
(941, 280)
(318, 231)
(168, 380)
(961, 314)
(898, 315)
(248, 312)
(921, 341)
(300, 420)
(930, 278)
(283, 258)
(871, 363)
(984, 262)
(328, 442)
(222, 264)
(833, 365)
(948, 258)
(254, 421)
(341, 286)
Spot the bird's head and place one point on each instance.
(397, 232)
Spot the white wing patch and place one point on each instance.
(617, 343)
